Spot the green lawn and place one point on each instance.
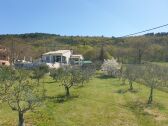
(101, 102)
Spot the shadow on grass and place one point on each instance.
(61, 98)
(123, 91)
(49, 82)
(104, 76)
(133, 90)
(122, 84)
(146, 114)
(156, 105)
(140, 108)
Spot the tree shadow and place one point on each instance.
(133, 90)
(140, 107)
(137, 107)
(49, 82)
(155, 105)
(123, 91)
(122, 84)
(61, 98)
(104, 77)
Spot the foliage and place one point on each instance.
(126, 50)
(139, 48)
(39, 72)
(67, 77)
(55, 74)
(20, 93)
(90, 54)
(154, 76)
(131, 72)
(6, 74)
(111, 67)
(87, 72)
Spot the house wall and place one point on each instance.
(67, 55)
(50, 57)
(4, 62)
(4, 56)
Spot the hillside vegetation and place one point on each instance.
(149, 47)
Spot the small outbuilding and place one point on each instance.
(76, 59)
(4, 56)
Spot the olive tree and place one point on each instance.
(39, 72)
(6, 74)
(67, 77)
(19, 92)
(86, 73)
(131, 73)
(154, 76)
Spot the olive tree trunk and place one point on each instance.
(150, 96)
(131, 87)
(21, 119)
(67, 91)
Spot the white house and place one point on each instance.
(56, 59)
(60, 56)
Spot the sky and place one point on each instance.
(82, 17)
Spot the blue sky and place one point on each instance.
(82, 17)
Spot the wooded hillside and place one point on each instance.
(149, 47)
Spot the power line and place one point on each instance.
(145, 30)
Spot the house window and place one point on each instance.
(58, 59)
(64, 59)
(47, 59)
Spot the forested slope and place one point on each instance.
(149, 47)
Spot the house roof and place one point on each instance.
(84, 62)
(60, 52)
(77, 56)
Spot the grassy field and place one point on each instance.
(101, 102)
